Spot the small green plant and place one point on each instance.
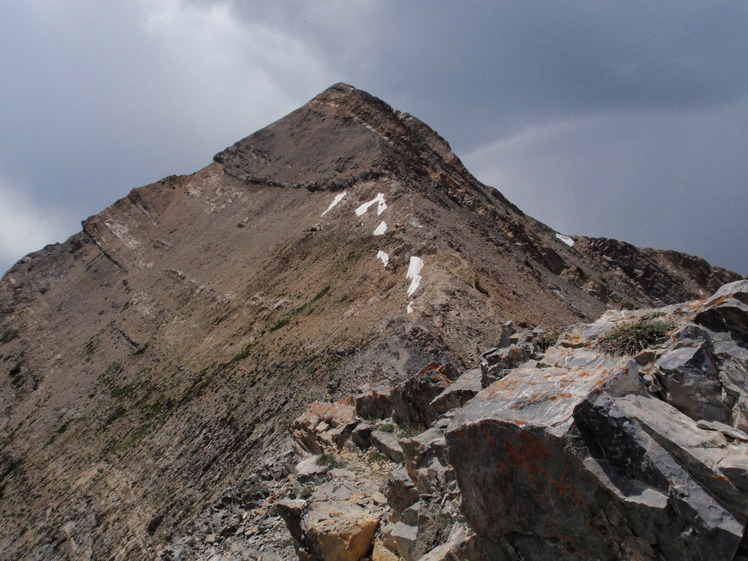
(320, 294)
(8, 335)
(435, 533)
(10, 437)
(241, 355)
(117, 413)
(387, 427)
(328, 459)
(282, 323)
(653, 315)
(545, 340)
(124, 391)
(140, 350)
(375, 455)
(90, 346)
(480, 288)
(58, 431)
(16, 380)
(634, 337)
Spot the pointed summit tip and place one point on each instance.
(347, 96)
(341, 136)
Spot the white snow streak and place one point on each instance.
(381, 229)
(566, 239)
(381, 206)
(383, 257)
(335, 201)
(409, 309)
(414, 273)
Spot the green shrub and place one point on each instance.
(386, 427)
(545, 340)
(480, 288)
(116, 414)
(8, 336)
(631, 338)
(653, 315)
(282, 323)
(124, 391)
(320, 294)
(330, 460)
(435, 533)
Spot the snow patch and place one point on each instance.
(566, 239)
(378, 200)
(381, 229)
(414, 274)
(383, 257)
(334, 202)
(409, 309)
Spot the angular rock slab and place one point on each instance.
(339, 531)
(551, 465)
(321, 424)
(330, 530)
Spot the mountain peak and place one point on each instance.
(341, 136)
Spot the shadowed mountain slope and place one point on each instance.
(153, 358)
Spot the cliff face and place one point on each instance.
(150, 360)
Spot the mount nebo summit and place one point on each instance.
(152, 365)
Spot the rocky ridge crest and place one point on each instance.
(151, 362)
(621, 439)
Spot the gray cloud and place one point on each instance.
(613, 119)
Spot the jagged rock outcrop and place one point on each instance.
(586, 462)
(153, 360)
(621, 440)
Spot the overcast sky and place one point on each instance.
(618, 119)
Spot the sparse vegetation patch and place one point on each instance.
(545, 340)
(634, 337)
(124, 391)
(480, 288)
(8, 335)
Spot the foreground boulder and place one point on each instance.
(577, 457)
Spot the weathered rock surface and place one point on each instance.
(577, 453)
(459, 393)
(412, 400)
(583, 462)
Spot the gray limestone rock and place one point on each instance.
(387, 443)
(361, 435)
(633, 477)
(405, 532)
(497, 362)
(691, 383)
(425, 457)
(309, 469)
(459, 393)
(727, 310)
(401, 492)
(374, 403)
(412, 399)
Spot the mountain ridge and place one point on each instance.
(191, 320)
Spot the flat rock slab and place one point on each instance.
(387, 443)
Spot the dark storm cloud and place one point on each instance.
(623, 119)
